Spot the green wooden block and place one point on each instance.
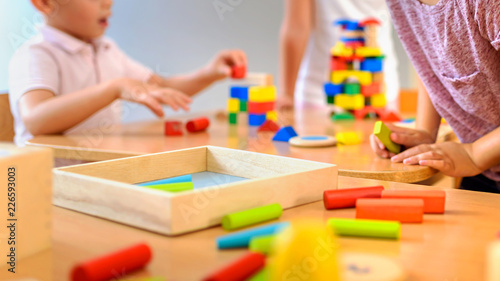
(261, 244)
(243, 106)
(251, 216)
(342, 116)
(352, 88)
(330, 99)
(233, 118)
(172, 187)
(366, 228)
(383, 134)
(262, 275)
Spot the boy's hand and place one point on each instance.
(152, 96)
(220, 67)
(403, 136)
(453, 159)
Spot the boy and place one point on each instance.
(70, 77)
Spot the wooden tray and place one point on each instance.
(105, 189)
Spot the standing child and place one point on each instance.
(454, 46)
(70, 77)
(307, 35)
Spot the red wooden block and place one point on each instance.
(173, 128)
(434, 200)
(346, 198)
(370, 90)
(380, 112)
(107, 267)
(240, 269)
(391, 116)
(354, 44)
(269, 126)
(370, 21)
(260, 107)
(238, 71)
(361, 113)
(197, 125)
(402, 210)
(338, 64)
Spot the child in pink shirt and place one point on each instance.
(454, 46)
(70, 77)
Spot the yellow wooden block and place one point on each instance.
(350, 101)
(364, 77)
(233, 105)
(340, 50)
(368, 52)
(378, 100)
(26, 177)
(378, 77)
(348, 138)
(262, 93)
(272, 115)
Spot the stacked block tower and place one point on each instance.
(357, 79)
(257, 101)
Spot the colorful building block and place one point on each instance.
(434, 200)
(372, 64)
(340, 50)
(262, 94)
(256, 119)
(241, 269)
(272, 115)
(366, 228)
(251, 216)
(368, 52)
(402, 210)
(378, 100)
(346, 198)
(269, 126)
(260, 107)
(242, 238)
(330, 99)
(239, 92)
(233, 118)
(262, 244)
(333, 89)
(383, 134)
(352, 88)
(348, 138)
(173, 128)
(378, 77)
(364, 77)
(391, 116)
(238, 71)
(184, 178)
(337, 63)
(350, 101)
(197, 125)
(285, 134)
(342, 116)
(372, 89)
(233, 105)
(243, 106)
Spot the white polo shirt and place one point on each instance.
(56, 61)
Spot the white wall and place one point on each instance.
(175, 37)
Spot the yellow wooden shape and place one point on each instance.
(340, 50)
(368, 52)
(339, 76)
(348, 138)
(233, 105)
(378, 100)
(272, 115)
(262, 93)
(350, 101)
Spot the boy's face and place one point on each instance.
(83, 19)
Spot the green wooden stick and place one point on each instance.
(366, 228)
(172, 187)
(252, 216)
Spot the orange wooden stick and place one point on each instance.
(403, 210)
(346, 198)
(434, 200)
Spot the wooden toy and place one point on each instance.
(197, 125)
(366, 228)
(256, 78)
(262, 94)
(364, 77)
(26, 200)
(173, 128)
(269, 126)
(349, 101)
(285, 134)
(238, 71)
(348, 138)
(102, 189)
(434, 200)
(342, 116)
(370, 90)
(261, 244)
(403, 210)
(240, 269)
(305, 245)
(368, 52)
(378, 100)
(256, 119)
(370, 267)
(243, 106)
(106, 267)
(260, 107)
(252, 216)
(493, 260)
(172, 187)
(312, 141)
(383, 134)
(233, 105)
(233, 118)
(239, 92)
(391, 116)
(184, 178)
(242, 238)
(272, 115)
(333, 89)
(346, 198)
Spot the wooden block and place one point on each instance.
(369, 52)
(239, 92)
(238, 71)
(434, 200)
(102, 189)
(233, 118)
(233, 105)
(372, 89)
(378, 100)
(243, 106)
(269, 126)
(364, 77)
(390, 116)
(262, 94)
(346, 198)
(241, 239)
(350, 101)
(402, 210)
(26, 176)
(352, 88)
(260, 107)
(256, 119)
(260, 79)
(383, 134)
(285, 134)
(340, 50)
(348, 138)
(493, 262)
(333, 89)
(197, 125)
(272, 115)
(337, 63)
(173, 128)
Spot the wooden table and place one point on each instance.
(147, 137)
(444, 247)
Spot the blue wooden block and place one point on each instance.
(239, 92)
(372, 64)
(348, 40)
(353, 26)
(333, 89)
(284, 134)
(185, 178)
(342, 22)
(242, 238)
(256, 119)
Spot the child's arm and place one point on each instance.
(217, 69)
(295, 29)
(45, 113)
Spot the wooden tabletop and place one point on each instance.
(147, 137)
(451, 246)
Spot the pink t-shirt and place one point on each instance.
(454, 46)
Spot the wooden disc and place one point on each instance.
(370, 267)
(313, 141)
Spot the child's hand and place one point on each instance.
(453, 159)
(152, 96)
(220, 67)
(403, 136)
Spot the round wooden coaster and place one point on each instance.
(370, 267)
(313, 141)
